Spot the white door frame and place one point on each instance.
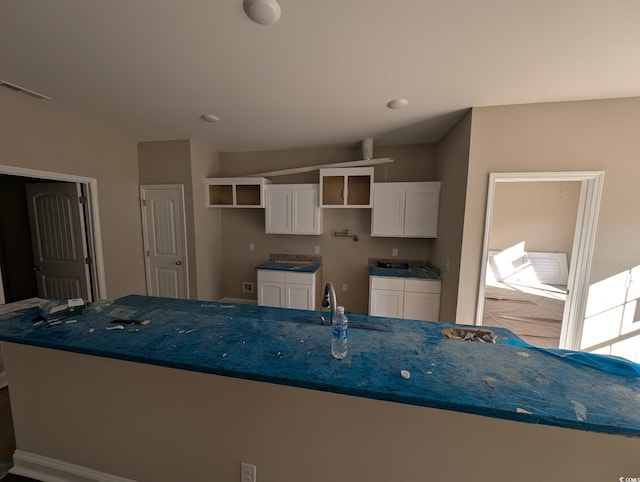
(582, 251)
(145, 239)
(93, 225)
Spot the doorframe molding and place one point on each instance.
(94, 214)
(582, 251)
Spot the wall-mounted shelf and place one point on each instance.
(236, 192)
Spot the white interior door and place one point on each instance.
(58, 238)
(163, 220)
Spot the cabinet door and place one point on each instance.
(421, 306)
(277, 213)
(299, 296)
(387, 215)
(349, 187)
(421, 211)
(386, 303)
(306, 215)
(271, 293)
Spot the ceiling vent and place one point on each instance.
(367, 149)
(17, 88)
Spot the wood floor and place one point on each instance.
(534, 313)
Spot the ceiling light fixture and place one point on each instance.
(210, 117)
(397, 103)
(264, 12)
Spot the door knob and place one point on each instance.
(179, 263)
(37, 268)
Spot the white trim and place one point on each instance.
(238, 301)
(3, 380)
(2, 298)
(583, 243)
(47, 469)
(92, 194)
(299, 170)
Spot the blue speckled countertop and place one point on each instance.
(301, 267)
(276, 345)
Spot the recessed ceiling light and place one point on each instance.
(210, 117)
(397, 103)
(264, 12)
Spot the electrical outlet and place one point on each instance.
(252, 247)
(247, 287)
(316, 249)
(446, 265)
(345, 287)
(394, 252)
(247, 473)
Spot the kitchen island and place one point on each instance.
(204, 386)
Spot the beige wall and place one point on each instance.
(207, 224)
(131, 421)
(34, 135)
(189, 162)
(343, 260)
(567, 136)
(169, 162)
(452, 153)
(542, 214)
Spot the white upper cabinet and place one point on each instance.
(346, 187)
(236, 192)
(292, 209)
(405, 209)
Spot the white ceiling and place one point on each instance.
(323, 74)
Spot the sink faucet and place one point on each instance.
(329, 298)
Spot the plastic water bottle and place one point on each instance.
(339, 326)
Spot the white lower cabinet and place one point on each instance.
(408, 298)
(283, 289)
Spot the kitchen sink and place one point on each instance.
(316, 320)
(392, 265)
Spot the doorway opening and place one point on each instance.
(21, 277)
(538, 243)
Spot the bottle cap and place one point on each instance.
(340, 310)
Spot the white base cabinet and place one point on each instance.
(408, 298)
(284, 289)
(405, 209)
(292, 209)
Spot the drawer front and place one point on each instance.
(422, 285)
(270, 275)
(299, 278)
(387, 283)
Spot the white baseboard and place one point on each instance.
(46, 469)
(3, 380)
(241, 301)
